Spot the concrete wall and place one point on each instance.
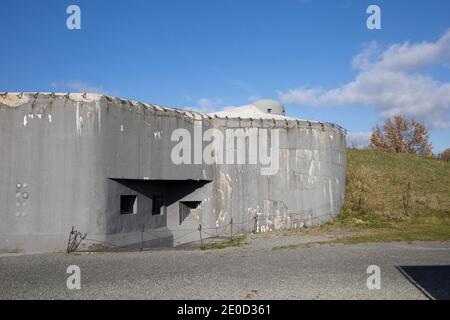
(65, 161)
(308, 189)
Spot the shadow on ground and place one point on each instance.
(433, 281)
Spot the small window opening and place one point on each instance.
(186, 207)
(128, 204)
(157, 206)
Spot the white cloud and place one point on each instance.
(207, 104)
(392, 81)
(204, 105)
(358, 139)
(254, 98)
(77, 86)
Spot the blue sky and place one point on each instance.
(209, 54)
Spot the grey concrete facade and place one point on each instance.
(69, 160)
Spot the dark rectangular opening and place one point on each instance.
(186, 207)
(128, 204)
(157, 205)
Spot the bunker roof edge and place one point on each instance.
(17, 99)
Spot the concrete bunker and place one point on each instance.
(104, 166)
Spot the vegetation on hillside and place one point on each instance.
(445, 155)
(401, 135)
(395, 197)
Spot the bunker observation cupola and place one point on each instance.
(270, 106)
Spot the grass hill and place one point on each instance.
(393, 197)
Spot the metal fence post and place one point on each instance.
(255, 227)
(201, 238)
(231, 223)
(142, 237)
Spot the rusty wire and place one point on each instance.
(287, 221)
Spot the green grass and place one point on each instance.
(290, 246)
(298, 245)
(395, 197)
(234, 242)
(377, 183)
(424, 228)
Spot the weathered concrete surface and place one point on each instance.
(66, 159)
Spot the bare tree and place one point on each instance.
(401, 136)
(445, 155)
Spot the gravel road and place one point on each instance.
(417, 270)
